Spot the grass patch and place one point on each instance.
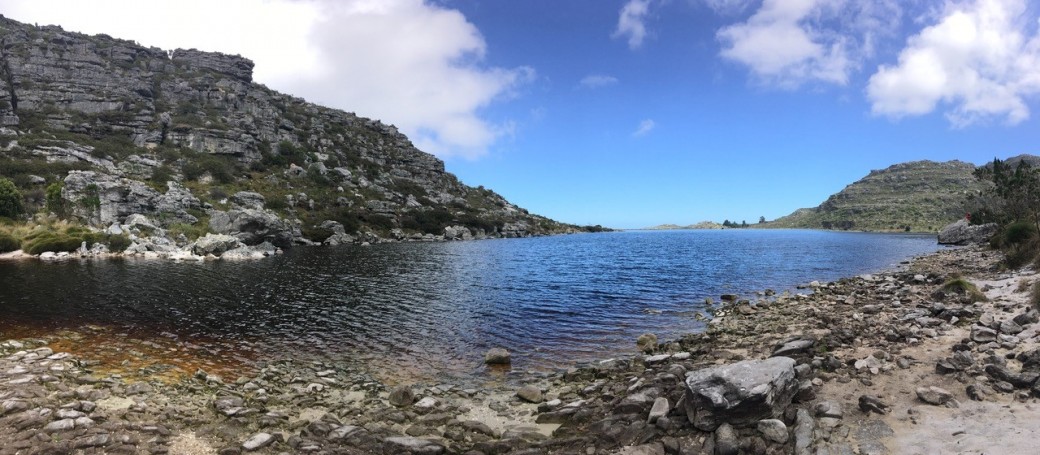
(963, 287)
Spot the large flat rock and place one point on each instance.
(740, 394)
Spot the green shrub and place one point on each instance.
(10, 199)
(315, 233)
(8, 243)
(378, 221)
(92, 198)
(161, 175)
(430, 222)
(1017, 233)
(191, 231)
(118, 243)
(54, 202)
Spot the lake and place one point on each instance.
(431, 310)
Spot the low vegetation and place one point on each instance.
(963, 287)
(45, 235)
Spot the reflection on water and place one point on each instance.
(433, 309)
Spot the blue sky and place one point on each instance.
(639, 112)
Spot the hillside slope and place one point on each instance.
(188, 140)
(919, 196)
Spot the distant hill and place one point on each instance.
(919, 196)
(701, 225)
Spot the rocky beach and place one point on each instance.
(887, 363)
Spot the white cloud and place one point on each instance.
(978, 61)
(632, 22)
(791, 42)
(594, 81)
(645, 127)
(406, 62)
(728, 6)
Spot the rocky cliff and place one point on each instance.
(919, 196)
(186, 139)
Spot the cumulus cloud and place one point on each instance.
(632, 22)
(594, 81)
(645, 127)
(978, 61)
(413, 64)
(407, 62)
(791, 42)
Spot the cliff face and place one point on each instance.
(148, 126)
(921, 196)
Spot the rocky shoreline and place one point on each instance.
(884, 363)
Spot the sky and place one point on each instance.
(634, 113)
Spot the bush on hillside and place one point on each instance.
(8, 243)
(10, 199)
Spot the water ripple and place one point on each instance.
(434, 308)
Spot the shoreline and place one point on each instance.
(596, 408)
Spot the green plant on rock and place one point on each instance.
(55, 203)
(11, 204)
(92, 198)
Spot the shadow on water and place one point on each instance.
(426, 310)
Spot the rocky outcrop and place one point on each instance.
(134, 118)
(963, 233)
(104, 199)
(740, 394)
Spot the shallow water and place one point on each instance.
(431, 310)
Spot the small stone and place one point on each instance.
(773, 430)
(407, 444)
(59, 425)
(726, 442)
(401, 396)
(258, 441)
(530, 394)
(869, 403)
(425, 405)
(647, 342)
(659, 409)
(342, 432)
(934, 395)
(829, 409)
(804, 428)
(980, 334)
(497, 356)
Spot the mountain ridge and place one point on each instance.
(188, 140)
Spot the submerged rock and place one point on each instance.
(497, 356)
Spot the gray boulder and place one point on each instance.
(252, 226)
(741, 393)
(249, 200)
(963, 233)
(215, 244)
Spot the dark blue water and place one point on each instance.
(435, 308)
